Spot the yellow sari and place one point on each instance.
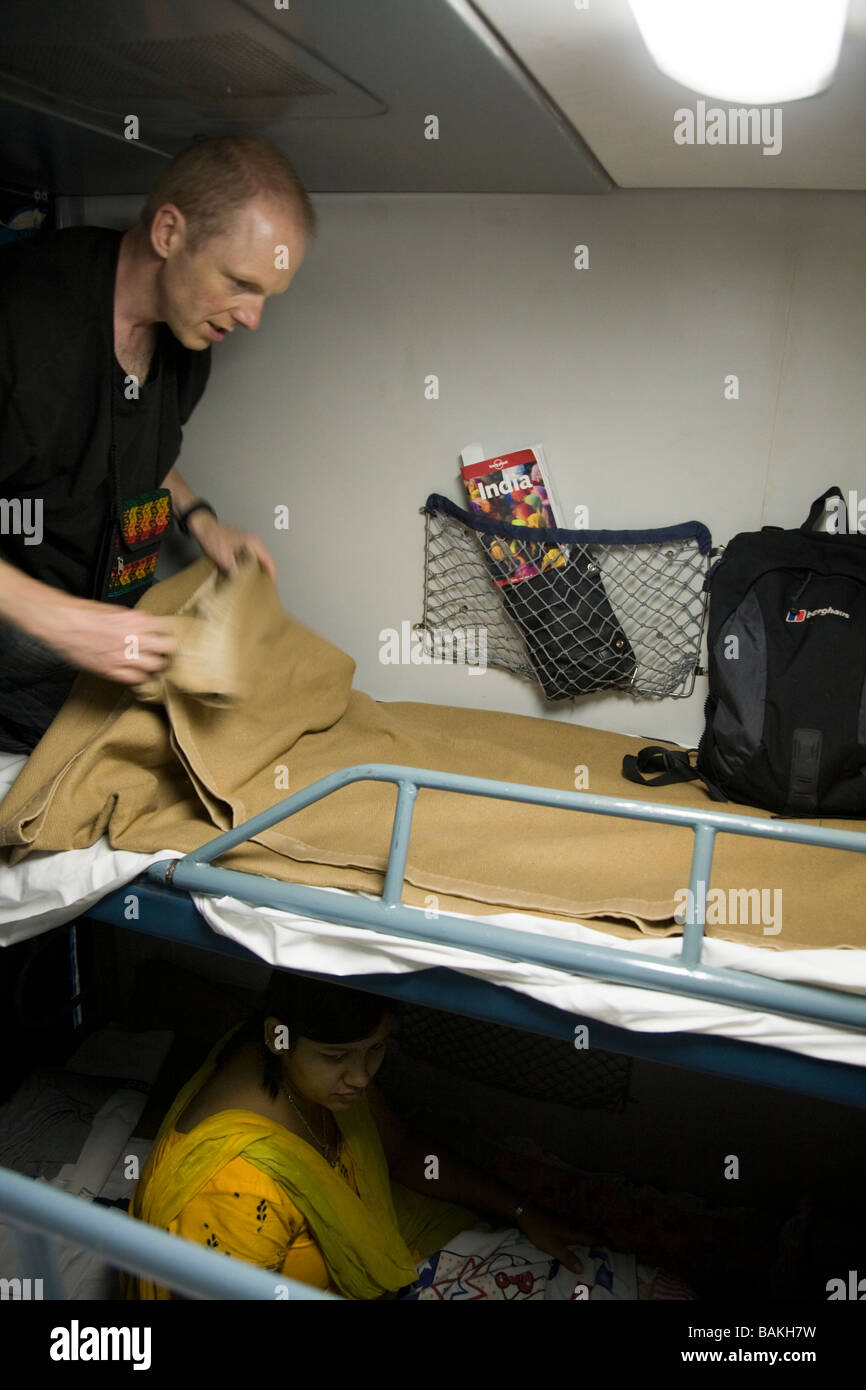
(369, 1241)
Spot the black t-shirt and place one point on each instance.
(57, 368)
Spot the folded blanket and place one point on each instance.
(257, 701)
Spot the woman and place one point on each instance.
(281, 1152)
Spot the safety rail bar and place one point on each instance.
(195, 872)
(38, 1214)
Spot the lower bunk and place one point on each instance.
(507, 975)
(657, 1243)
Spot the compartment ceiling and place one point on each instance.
(532, 96)
(343, 86)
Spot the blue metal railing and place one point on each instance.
(39, 1213)
(686, 974)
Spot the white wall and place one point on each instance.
(618, 370)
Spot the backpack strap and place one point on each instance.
(669, 764)
(817, 508)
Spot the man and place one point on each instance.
(104, 353)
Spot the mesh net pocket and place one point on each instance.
(576, 611)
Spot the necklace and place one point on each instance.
(320, 1143)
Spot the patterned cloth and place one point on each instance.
(505, 1265)
(135, 551)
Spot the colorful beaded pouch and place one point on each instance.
(144, 520)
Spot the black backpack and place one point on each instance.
(786, 713)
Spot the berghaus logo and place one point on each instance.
(799, 615)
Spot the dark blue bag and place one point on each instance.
(785, 719)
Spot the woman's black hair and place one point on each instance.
(315, 1009)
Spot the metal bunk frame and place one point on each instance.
(166, 910)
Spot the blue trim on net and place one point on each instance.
(686, 530)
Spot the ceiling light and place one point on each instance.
(756, 51)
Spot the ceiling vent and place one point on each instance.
(174, 66)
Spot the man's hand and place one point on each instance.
(115, 643)
(223, 544)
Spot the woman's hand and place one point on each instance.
(553, 1238)
(223, 543)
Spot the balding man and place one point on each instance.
(105, 345)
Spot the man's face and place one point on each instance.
(225, 282)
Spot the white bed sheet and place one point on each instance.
(47, 890)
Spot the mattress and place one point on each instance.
(176, 772)
(47, 890)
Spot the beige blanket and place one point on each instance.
(256, 700)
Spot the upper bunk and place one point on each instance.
(794, 1019)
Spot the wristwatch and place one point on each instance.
(200, 505)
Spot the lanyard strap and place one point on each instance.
(113, 480)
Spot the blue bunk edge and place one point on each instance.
(172, 916)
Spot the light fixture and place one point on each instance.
(757, 51)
